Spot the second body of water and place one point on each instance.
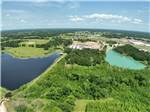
(117, 59)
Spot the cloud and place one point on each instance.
(35, 1)
(76, 18)
(13, 11)
(137, 21)
(39, 1)
(22, 21)
(106, 17)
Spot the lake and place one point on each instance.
(16, 72)
(117, 59)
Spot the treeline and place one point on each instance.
(112, 35)
(84, 57)
(83, 39)
(126, 34)
(137, 54)
(110, 42)
(11, 43)
(54, 42)
(26, 34)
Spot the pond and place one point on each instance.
(16, 72)
(117, 59)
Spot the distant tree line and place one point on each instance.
(126, 34)
(54, 42)
(27, 35)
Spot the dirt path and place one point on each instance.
(3, 107)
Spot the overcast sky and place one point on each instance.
(27, 14)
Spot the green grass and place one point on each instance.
(80, 105)
(113, 105)
(102, 105)
(27, 52)
(34, 41)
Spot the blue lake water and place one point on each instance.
(16, 72)
(117, 59)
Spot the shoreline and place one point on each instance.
(32, 57)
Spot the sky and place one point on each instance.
(121, 15)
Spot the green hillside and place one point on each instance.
(59, 89)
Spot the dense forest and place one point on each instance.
(85, 57)
(137, 54)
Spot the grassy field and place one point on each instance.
(27, 52)
(102, 105)
(105, 105)
(34, 41)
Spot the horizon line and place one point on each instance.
(74, 28)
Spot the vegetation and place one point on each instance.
(55, 42)
(26, 52)
(11, 43)
(134, 52)
(127, 34)
(85, 57)
(64, 86)
(81, 77)
(110, 42)
(80, 105)
(35, 47)
(112, 105)
(3, 91)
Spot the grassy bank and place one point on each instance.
(29, 52)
